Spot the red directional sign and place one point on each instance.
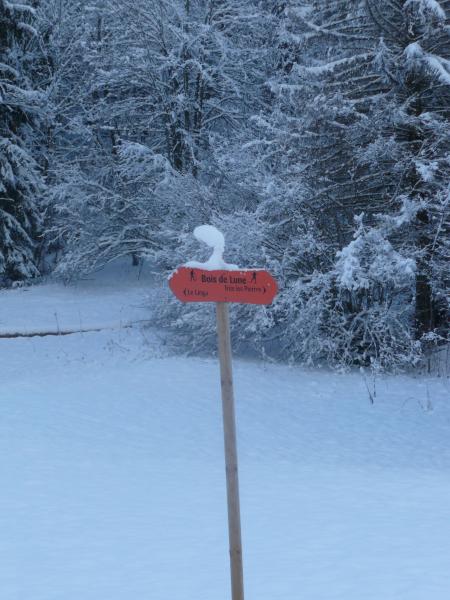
(200, 285)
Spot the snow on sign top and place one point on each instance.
(217, 281)
(215, 239)
(211, 236)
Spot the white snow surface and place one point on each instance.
(113, 477)
(115, 297)
(211, 236)
(214, 263)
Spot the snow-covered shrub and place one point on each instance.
(139, 209)
(375, 300)
(357, 312)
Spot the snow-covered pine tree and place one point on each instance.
(403, 145)
(20, 182)
(414, 60)
(344, 127)
(305, 147)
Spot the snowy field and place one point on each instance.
(112, 466)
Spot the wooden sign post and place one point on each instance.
(214, 282)
(231, 457)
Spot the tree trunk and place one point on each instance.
(424, 315)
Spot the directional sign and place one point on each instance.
(201, 285)
(248, 286)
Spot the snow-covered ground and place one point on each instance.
(112, 477)
(111, 298)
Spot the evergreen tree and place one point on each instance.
(358, 123)
(414, 61)
(20, 183)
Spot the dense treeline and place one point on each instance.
(315, 134)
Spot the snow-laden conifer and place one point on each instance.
(20, 184)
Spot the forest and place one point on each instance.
(224, 299)
(315, 134)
